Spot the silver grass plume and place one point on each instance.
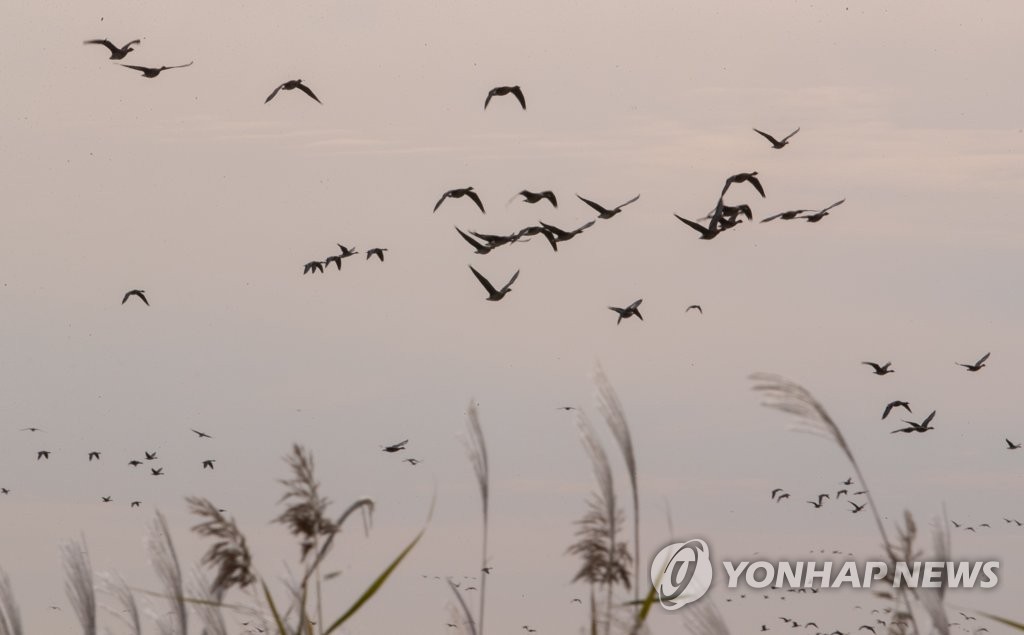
(305, 514)
(128, 612)
(207, 606)
(78, 585)
(476, 449)
(229, 555)
(164, 559)
(10, 617)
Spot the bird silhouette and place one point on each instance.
(1010, 445)
(924, 426)
(396, 447)
(494, 294)
(411, 461)
(32, 429)
(201, 435)
(629, 311)
(208, 464)
(107, 499)
(135, 503)
(976, 366)
(781, 496)
(116, 53)
(706, 233)
(775, 492)
(139, 293)
(694, 306)
(376, 251)
(292, 85)
(856, 507)
(459, 193)
(822, 213)
(150, 455)
(776, 143)
(896, 404)
(880, 369)
(157, 471)
(314, 267)
(790, 215)
(505, 90)
(536, 197)
(744, 177)
(153, 72)
(556, 235)
(480, 248)
(43, 454)
(94, 455)
(134, 463)
(603, 212)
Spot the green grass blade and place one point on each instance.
(273, 610)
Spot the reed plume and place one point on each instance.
(79, 584)
(476, 449)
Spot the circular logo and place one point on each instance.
(681, 573)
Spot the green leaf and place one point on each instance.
(273, 610)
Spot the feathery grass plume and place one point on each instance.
(615, 417)
(207, 606)
(605, 560)
(933, 599)
(305, 513)
(465, 620)
(477, 451)
(79, 584)
(10, 617)
(129, 611)
(164, 559)
(704, 619)
(229, 555)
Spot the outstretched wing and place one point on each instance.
(490, 94)
(441, 200)
(106, 43)
(690, 223)
(600, 210)
(632, 307)
(510, 281)
(141, 69)
(632, 200)
(469, 239)
(757, 185)
(142, 296)
(309, 92)
(484, 281)
(786, 138)
(836, 204)
(273, 94)
(982, 360)
(518, 92)
(767, 136)
(180, 65)
(476, 199)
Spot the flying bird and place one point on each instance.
(706, 233)
(107, 499)
(314, 267)
(150, 455)
(1011, 445)
(694, 306)
(208, 464)
(976, 366)
(536, 197)
(136, 292)
(157, 471)
(135, 503)
(411, 461)
(43, 454)
(494, 294)
(153, 72)
(201, 435)
(880, 370)
(480, 248)
(790, 215)
(924, 426)
(781, 496)
(4, 491)
(396, 447)
(776, 143)
(134, 463)
(116, 53)
(629, 311)
(775, 492)
(822, 213)
(292, 85)
(459, 193)
(744, 177)
(32, 429)
(505, 90)
(856, 507)
(896, 404)
(603, 212)
(376, 251)
(556, 235)
(94, 455)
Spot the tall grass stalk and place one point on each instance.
(477, 452)
(80, 585)
(10, 617)
(164, 560)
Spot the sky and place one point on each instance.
(192, 188)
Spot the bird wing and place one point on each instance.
(126, 296)
(133, 42)
(141, 69)
(179, 66)
(836, 204)
(469, 239)
(273, 94)
(142, 296)
(632, 200)
(767, 136)
(551, 197)
(487, 285)
(872, 365)
(1009, 444)
(476, 199)
(106, 43)
(586, 225)
(309, 92)
(594, 205)
(490, 94)
(518, 92)
(888, 408)
(441, 200)
(982, 360)
(510, 281)
(927, 420)
(690, 223)
(757, 184)
(786, 138)
(632, 307)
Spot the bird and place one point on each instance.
(775, 492)
(896, 404)
(376, 251)
(924, 426)
(136, 292)
(153, 72)
(976, 366)
(744, 177)
(4, 491)
(94, 455)
(629, 311)
(556, 235)
(346, 251)
(411, 461)
(781, 496)
(201, 435)
(157, 471)
(43, 454)
(32, 429)
(313, 266)
(493, 294)
(790, 215)
(706, 233)
(848, 481)
(1011, 445)
(459, 193)
(208, 464)
(602, 212)
(856, 507)
(107, 499)
(536, 197)
(150, 455)
(816, 505)
(505, 90)
(292, 85)
(396, 447)
(135, 503)
(821, 498)
(880, 370)
(116, 53)
(776, 143)
(480, 248)
(822, 213)
(134, 463)
(694, 306)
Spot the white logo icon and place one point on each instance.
(681, 572)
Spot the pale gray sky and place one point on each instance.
(190, 187)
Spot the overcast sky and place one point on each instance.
(190, 187)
